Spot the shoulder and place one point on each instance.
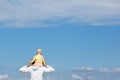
(35, 56)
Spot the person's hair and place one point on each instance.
(39, 50)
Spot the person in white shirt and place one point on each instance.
(36, 72)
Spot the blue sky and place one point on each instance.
(72, 34)
(64, 48)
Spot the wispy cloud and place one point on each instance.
(3, 76)
(96, 74)
(104, 70)
(43, 13)
(83, 68)
(116, 70)
(75, 76)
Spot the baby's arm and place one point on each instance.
(33, 59)
(43, 61)
(31, 62)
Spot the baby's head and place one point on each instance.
(39, 51)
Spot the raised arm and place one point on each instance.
(31, 62)
(33, 59)
(49, 69)
(43, 61)
(24, 69)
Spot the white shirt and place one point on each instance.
(36, 72)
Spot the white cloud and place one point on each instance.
(75, 76)
(3, 76)
(90, 77)
(116, 70)
(24, 79)
(104, 70)
(29, 13)
(84, 68)
(97, 74)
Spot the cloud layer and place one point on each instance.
(79, 73)
(3, 76)
(89, 73)
(43, 13)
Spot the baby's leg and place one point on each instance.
(38, 64)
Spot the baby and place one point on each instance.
(38, 59)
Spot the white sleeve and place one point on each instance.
(49, 69)
(24, 69)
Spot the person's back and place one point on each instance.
(36, 72)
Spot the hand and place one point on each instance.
(29, 64)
